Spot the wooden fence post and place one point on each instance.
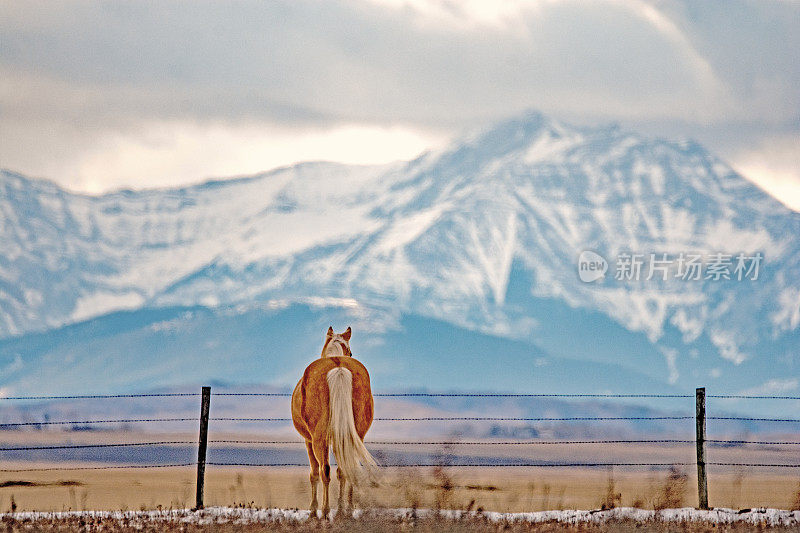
(202, 445)
(702, 480)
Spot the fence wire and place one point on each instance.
(401, 395)
(104, 467)
(397, 443)
(104, 396)
(395, 419)
(403, 465)
(402, 443)
(90, 422)
(520, 442)
(515, 395)
(527, 465)
(105, 445)
(752, 419)
(479, 418)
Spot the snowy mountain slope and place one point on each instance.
(484, 234)
(68, 257)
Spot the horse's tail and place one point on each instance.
(351, 454)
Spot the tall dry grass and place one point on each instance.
(611, 498)
(795, 504)
(671, 493)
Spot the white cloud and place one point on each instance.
(175, 153)
(468, 14)
(155, 94)
(774, 165)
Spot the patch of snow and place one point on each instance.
(787, 317)
(689, 322)
(551, 148)
(671, 355)
(762, 517)
(405, 230)
(724, 236)
(653, 172)
(773, 386)
(727, 345)
(103, 302)
(494, 250)
(644, 310)
(13, 366)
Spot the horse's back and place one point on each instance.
(310, 400)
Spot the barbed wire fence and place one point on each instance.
(204, 419)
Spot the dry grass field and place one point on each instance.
(502, 489)
(495, 489)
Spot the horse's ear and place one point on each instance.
(347, 333)
(330, 331)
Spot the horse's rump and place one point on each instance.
(311, 400)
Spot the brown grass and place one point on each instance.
(672, 491)
(795, 504)
(498, 489)
(611, 497)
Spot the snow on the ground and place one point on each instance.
(761, 516)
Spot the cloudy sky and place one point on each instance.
(103, 95)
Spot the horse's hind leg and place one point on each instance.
(350, 497)
(344, 510)
(342, 483)
(313, 477)
(321, 453)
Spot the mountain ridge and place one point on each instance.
(479, 234)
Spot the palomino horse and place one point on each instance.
(332, 407)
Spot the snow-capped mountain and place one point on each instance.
(484, 235)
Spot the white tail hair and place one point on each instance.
(351, 454)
